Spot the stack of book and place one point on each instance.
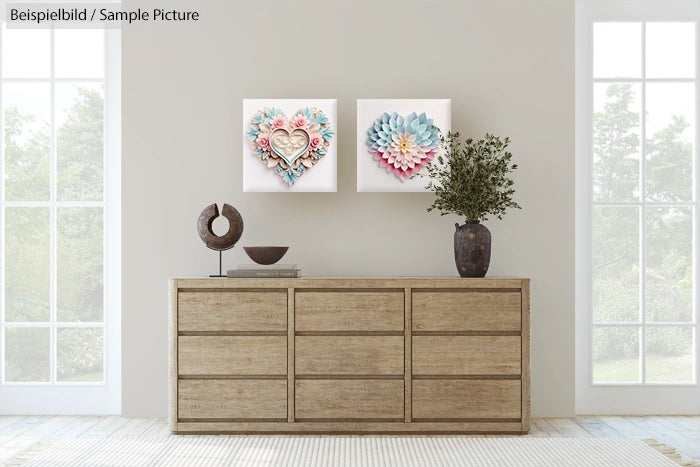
(260, 270)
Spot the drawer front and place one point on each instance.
(349, 399)
(349, 355)
(466, 355)
(466, 399)
(229, 399)
(232, 355)
(232, 311)
(349, 311)
(466, 311)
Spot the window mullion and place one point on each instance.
(53, 216)
(696, 230)
(2, 221)
(106, 101)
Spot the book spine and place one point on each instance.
(267, 267)
(254, 273)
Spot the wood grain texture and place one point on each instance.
(358, 354)
(341, 427)
(465, 355)
(466, 399)
(347, 355)
(349, 399)
(173, 353)
(232, 355)
(353, 283)
(212, 399)
(232, 311)
(291, 316)
(525, 354)
(408, 307)
(349, 311)
(466, 311)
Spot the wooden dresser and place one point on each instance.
(350, 355)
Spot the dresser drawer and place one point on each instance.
(349, 399)
(466, 399)
(349, 355)
(349, 311)
(466, 311)
(229, 399)
(232, 355)
(466, 355)
(232, 311)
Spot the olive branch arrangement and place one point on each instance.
(471, 177)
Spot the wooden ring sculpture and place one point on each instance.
(235, 227)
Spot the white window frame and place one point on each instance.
(624, 398)
(80, 398)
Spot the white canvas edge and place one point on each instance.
(371, 177)
(322, 177)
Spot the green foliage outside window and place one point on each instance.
(79, 241)
(668, 261)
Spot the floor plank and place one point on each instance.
(597, 428)
(78, 427)
(21, 425)
(105, 427)
(159, 429)
(662, 431)
(7, 420)
(568, 428)
(625, 427)
(543, 429)
(689, 423)
(133, 427)
(36, 433)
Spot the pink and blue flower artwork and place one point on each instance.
(403, 144)
(396, 140)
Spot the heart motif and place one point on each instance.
(289, 146)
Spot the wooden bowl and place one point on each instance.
(265, 254)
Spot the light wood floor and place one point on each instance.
(18, 433)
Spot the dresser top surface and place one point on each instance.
(354, 282)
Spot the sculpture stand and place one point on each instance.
(221, 274)
(223, 242)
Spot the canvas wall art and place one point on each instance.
(396, 139)
(289, 145)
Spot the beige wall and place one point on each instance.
(507, 65)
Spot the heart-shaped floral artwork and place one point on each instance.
(403, 144)
(290, 146)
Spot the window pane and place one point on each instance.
(616, 142)
(615, 355)
(27, 354)
(80, 354)
(669, 355)
(79, 53)
(615, 264)
(670, 133)
(617, 50)
(670, 50)
(79, 268)
(18, 45)
(26, 109)
(27, 259)
(669, 264)
(79, 145)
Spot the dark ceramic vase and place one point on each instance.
(472, 249)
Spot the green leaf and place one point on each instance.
(471, 177)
